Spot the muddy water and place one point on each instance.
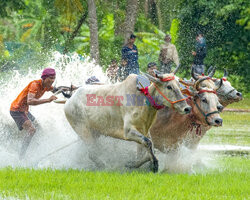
(55, 144)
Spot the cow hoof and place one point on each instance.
(155, 166)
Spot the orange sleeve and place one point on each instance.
(34, 87)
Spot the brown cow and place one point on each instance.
(170, 128)
(227, 95)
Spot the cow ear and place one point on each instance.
(152, 79)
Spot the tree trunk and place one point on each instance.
(130, 20)
(74, 34)
(159, 16)
(93, 26)
(146, 8)
(118, 21)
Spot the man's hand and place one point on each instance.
(74, 87)
(52, 98)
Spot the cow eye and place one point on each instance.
(169, 87)
(204, 100)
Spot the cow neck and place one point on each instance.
(149, 92)
(192, 117)
(173, 126)
(149, 111)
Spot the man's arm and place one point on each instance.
(64, 88)
(31, 100)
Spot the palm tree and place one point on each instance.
(131, 14)
(93, 26)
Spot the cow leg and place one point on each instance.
(140, 151)
(133, 135)
(142, 157)
(94, 155)
(90, 139)
(95, 149)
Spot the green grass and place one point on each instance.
(230, 180)
(244, 104)
(235, 130)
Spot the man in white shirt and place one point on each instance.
(168, 55)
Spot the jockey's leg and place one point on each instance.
(30, 129)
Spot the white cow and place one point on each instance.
(111, 111)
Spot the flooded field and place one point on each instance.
(55, 145)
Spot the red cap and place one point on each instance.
(48, 72)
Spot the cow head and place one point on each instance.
(226, 93)
(166, 86)
(206, 106)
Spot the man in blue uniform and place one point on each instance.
(199, 54)
(130, 53)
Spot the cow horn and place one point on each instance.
(225, 73)
(220, 84)
(209, 69)
(199, 81)
(211, 74)
(176, 69)
(151, 78)
(158, 74)
(194, 75)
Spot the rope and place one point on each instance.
(57, 150)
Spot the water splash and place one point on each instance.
(54, 132)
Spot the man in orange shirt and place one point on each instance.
(30, 95)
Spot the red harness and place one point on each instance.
(152, 101)
(166, 80)
(209, 91)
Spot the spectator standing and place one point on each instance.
(199, 54)
(168, 55)
(130, 53)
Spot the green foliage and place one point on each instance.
(227, 41)
(148, 42)
(45, 25)
(7, 6)
(174, 30)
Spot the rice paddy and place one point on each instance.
(226, 177)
